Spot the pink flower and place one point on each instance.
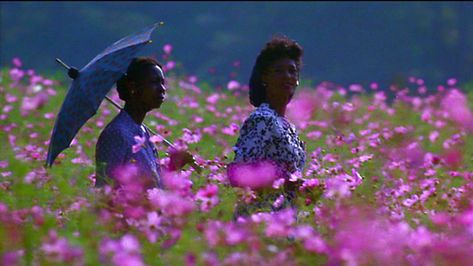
(16, 62)
(167, 48)
(48, 82)
(208, 196)
(129, 244)
(124, 252)
(433, 136)
(191, 136)
(33, 103)
(170, 65)
(355, 88)
(170, 203)
(177, 181)
(126, 174)
(233, 85)
(337, 186)
(16, 74)
(314, 135)
(231, 130)
(3, 164)
(212, 99)
(455, 104)
(197, 119)
(156, 139)
(302, 106)
(59, 250)
(12, 257)
(410, 201)
(49, 115)
(140, 142)
(252, 175)
(453, 158)
(279, 224)
(451, 82)
(11, 98)
(278, 202)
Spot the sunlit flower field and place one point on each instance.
(388, 179)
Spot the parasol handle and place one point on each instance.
(73, 73)
(168, 143)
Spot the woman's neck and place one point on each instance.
(280, 108)
(137, 114)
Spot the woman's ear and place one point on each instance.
(131, 87)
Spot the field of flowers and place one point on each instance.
(385, 182)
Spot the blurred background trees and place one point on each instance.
(344, 42)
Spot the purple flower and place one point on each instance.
(213, 98)
(170, 203)
(167, 48)
(252, 175)
(231, 130)
(233, 85)
(208, 197)
(140, 142)
(59, 250)
(16, 62)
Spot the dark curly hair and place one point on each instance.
(136, 71)
(278, 47)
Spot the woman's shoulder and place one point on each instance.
(263, 112)
(115, 132)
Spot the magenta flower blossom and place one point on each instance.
(170, 203)
(16, 62)
(59, 250)
(301, 108)
(169, 65)
(337, 187)
(451, 82)
(177, 181)
(280, 223)
(311, 240)
(12, 258)
(190, 136)
(208, 196)
(253, 176)
(213, 98)
(456, 105)
(355, 88)
(167, 48)
(33, 103)
(140, 142)
(233, 85)
(123, 252)
(10, 98)
(156, 139)
(231, 130)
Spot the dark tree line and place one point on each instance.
(344, 42)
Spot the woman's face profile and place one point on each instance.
(152, 88)
(281, 80)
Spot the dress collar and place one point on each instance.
(129, 121)
(267, 107)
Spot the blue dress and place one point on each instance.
(114, 149)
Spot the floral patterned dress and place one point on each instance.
(267, 136)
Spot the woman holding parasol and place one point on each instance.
(124, 146)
